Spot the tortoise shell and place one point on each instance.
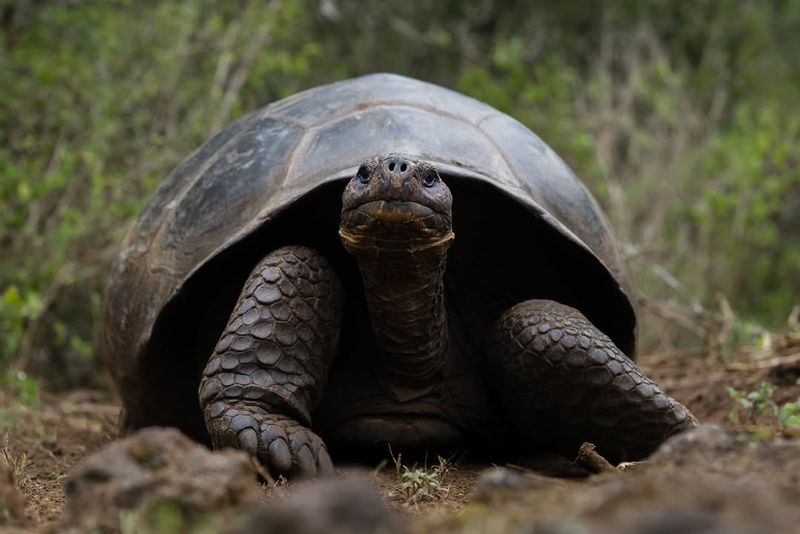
(525, 227)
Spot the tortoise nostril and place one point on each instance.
(396, 164)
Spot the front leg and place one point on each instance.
(562, 382)
(269, 367)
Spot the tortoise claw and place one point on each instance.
(280, 444)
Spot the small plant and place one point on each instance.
(422, 483)
(16, 462)
(24, 389)
(166, 517)
(789, 417)
(759, 402)
(753, 404)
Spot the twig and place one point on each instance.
(590, 459)
(766, 363)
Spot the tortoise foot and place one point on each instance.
(281, 444)
(268, 369)
(563, 382)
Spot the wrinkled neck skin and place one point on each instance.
(405, 296)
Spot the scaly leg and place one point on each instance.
(562, 382)
(269, 367)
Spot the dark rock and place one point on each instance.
(157, 472)
(706, 441)
(497, 481)
(703, 480)
(326, 506)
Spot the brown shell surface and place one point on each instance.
(240, 179)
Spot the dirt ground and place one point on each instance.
(42, 445)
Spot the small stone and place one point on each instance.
(500, 480)
(175, 469)
(332, 505)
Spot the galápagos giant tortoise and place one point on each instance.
(379, 260)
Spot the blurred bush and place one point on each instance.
(682, 117)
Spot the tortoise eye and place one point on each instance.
(362, 175)
(430, 179)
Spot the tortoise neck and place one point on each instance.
(405, 297)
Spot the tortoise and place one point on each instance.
(294, 288)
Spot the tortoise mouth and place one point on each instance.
(394, 223)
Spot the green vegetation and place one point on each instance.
(166, 517)
(16, 461)
(420, 484)
(758, 403)
(682, 117)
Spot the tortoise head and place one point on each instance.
(395, 202)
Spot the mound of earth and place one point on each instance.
(702, 481)
(154, 477)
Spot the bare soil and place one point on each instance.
(43, 444)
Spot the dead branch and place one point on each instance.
(590, 459)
